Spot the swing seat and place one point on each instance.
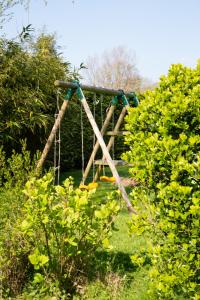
(92, 185)
(83, 187)
(107, 179)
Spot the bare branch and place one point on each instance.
(114, 69)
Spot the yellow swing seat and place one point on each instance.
(107, 179)
(83, 187)
(90, 186)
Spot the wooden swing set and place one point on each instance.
(118, 96)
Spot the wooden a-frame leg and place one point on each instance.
(112, 138)
(96, 146)
(52, 135)
(106, 152)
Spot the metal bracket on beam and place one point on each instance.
(134, 99)
(121, 97)
(75, 89)
(69, 94)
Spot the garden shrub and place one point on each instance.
(165, 152)
(54, 240)
(14, 172)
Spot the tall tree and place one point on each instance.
(27, 94)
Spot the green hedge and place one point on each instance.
(165, 152)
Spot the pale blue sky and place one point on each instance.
(160, 32)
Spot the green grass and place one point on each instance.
(114, 276)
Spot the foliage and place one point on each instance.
(59, 230)
(27, 90)
(14, 172)
(165, 152)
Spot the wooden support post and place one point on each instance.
(52, 135)
(105, 151)
(112, 138)
(96, 147)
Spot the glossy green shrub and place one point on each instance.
(165, 152)
(56, 237)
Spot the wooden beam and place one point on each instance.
(101, 162)
(112, 138)
(105, 151)
(117, 133)
(52, 135)
(96, 146)
(93, 89)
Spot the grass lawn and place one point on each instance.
(114, 276)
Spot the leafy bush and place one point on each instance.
(14, 172)
(55, 238)
(165, 152)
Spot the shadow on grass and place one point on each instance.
(115, 262)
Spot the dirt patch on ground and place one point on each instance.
(128, 181)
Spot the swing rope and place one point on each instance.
(92, 185)
(113, 145)
(102, 121)
(95, 102)
(57, 141)
(105, 178)
(82, 142)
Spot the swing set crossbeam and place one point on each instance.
(93, 89)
